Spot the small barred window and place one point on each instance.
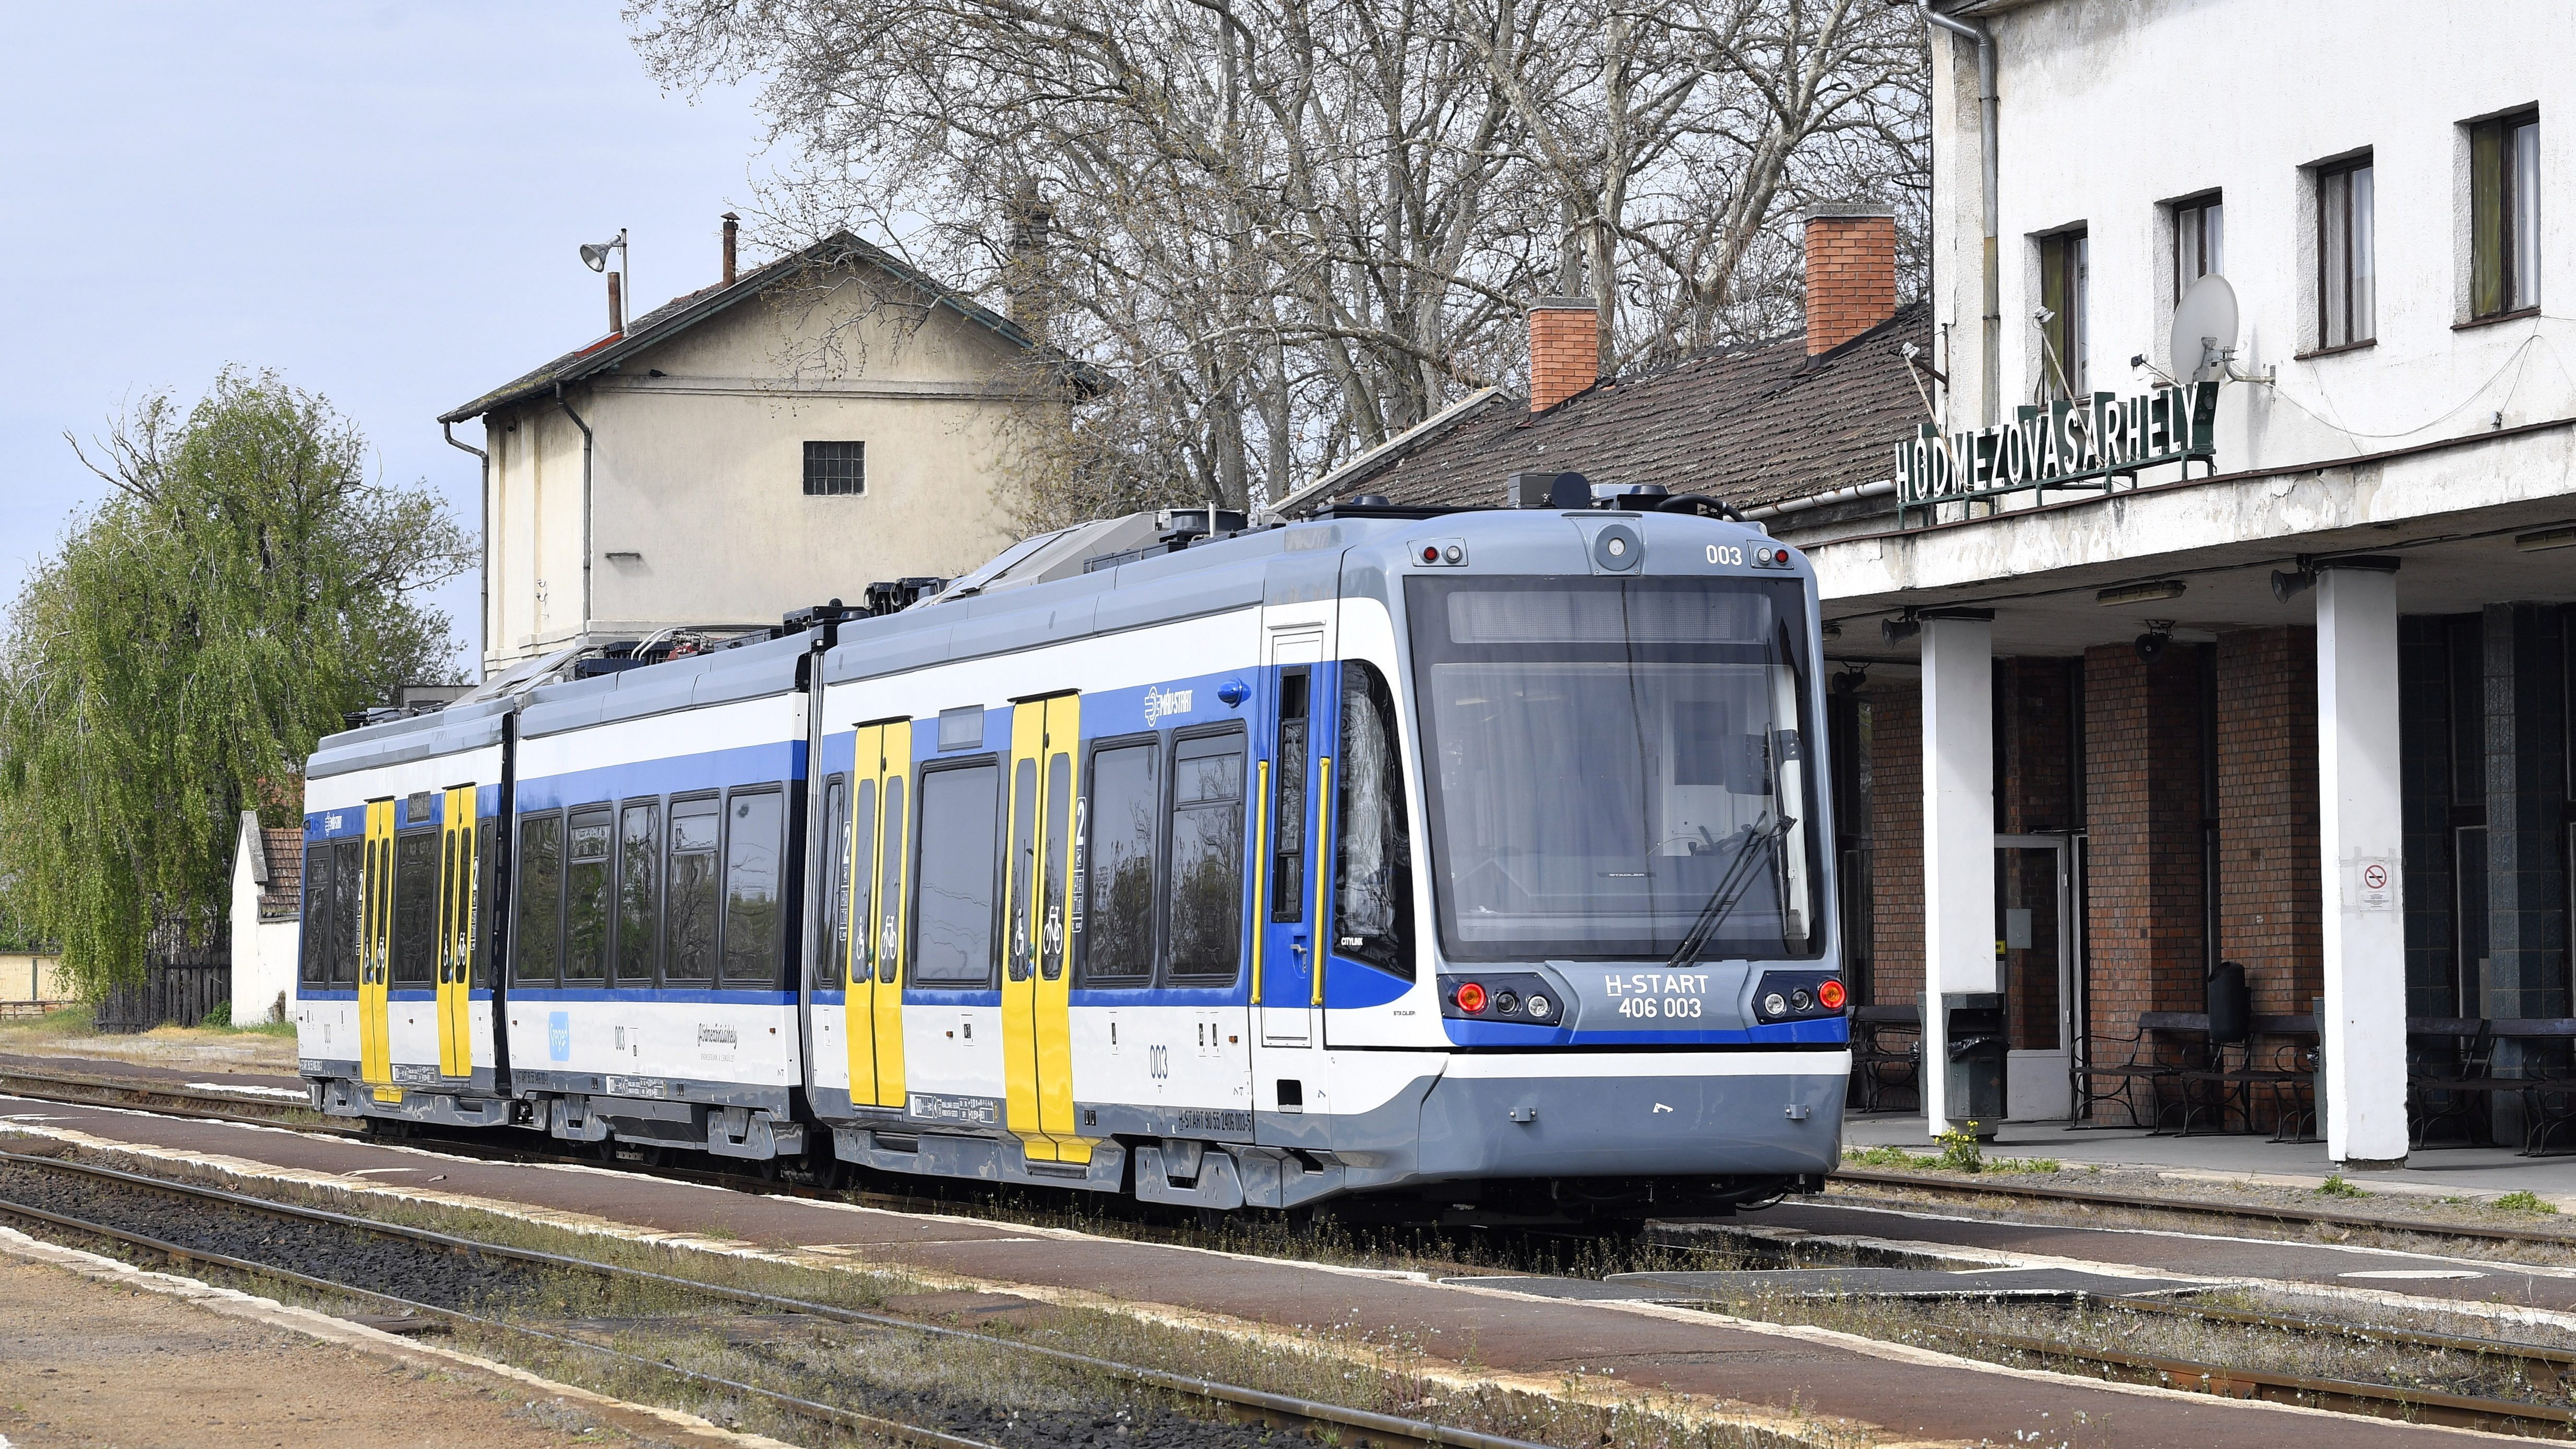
(835, 468)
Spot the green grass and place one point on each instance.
(2525, 1201)
(2336, 1186)
(69, 1021)
(1954, 1157)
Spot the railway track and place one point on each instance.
(2541, 1366)
(2190, 1207)
(1336, 1423)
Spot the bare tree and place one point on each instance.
(1292, 228)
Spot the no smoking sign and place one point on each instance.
(2374, 884)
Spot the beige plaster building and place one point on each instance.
(780, 439)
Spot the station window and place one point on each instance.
(2347, 254)
(953, 932)
(2504, 215)
(691, 890)
(753, 899)
(586, 898)
(639, 892)
(836, 468)
(1205, 870)
(2065, 265)
(540, 926)
(415, 907)
(2200, 240)
(1118, 912)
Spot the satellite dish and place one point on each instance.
(2204, 324)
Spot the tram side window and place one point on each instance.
(538, 935)
(826, 952)
(953, 935)
(691, 892)
(586, 898)
(1118, 912)
(1206, 863)
(348, 891)
(1373, 901)
(486, 922)
(1288, 800)
(314, 966)
(889, 900)
(753, 908)
(639, 892)
(415, 907)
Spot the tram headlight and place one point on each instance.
(1801, 999)
(1471, 997)
(1540, 1008)
(1505, 1003)
(1774, 1004)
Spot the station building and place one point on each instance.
(2259, 654)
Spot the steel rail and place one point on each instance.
(1382, 1429)
(2346, 1396)
(2201, 1207)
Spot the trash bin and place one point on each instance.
(1973, 1031)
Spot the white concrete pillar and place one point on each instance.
(2362, 840)
(1958, 833)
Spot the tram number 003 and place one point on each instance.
(1725, 553)
(1670, 1006)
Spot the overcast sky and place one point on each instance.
(381, 201)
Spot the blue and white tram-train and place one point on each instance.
(1459, 865)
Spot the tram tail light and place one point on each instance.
(1471, 997)
(1830, 994)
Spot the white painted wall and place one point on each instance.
(2109, 109)
(700, 472)
(263, 951)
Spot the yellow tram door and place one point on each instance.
(375, 952)
(1037, 1045)
(873, 1008)
(458, 911)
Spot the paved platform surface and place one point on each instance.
(148, 1072)
(2437, 1171)
(86, 1363)
(1890, 1394)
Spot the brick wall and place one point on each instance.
(2142, 802)
(2270, 910)
(1851, 277)
(1896, 837)
(1565, 350)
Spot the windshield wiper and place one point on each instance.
(1760, 840)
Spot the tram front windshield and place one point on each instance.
(1604, 754)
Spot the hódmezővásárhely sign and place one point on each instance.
(2071, 444)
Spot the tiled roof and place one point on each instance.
(1751, 426)
(283, 895)
(681, 313)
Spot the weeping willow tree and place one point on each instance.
(244, 585)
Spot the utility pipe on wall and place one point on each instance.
(562, 402)
(484, 624)
(1992, 374)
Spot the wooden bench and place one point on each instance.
(2275, 1071)
(2465, 1094)
(1883, 1060)
(2165, 1045)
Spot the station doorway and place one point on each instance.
(2038, 944)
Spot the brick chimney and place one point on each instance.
(1851, 272)
(1565, 349)
(733, 225)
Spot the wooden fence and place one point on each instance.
(183, 985)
